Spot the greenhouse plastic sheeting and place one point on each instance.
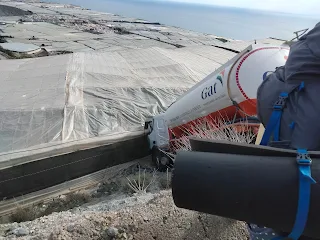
(67, 98)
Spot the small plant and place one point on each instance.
(55, 205)
(165, 180)
(23, 214)
(141, 185)
(70, 201)
(110, 187)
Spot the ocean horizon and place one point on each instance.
(228, 22)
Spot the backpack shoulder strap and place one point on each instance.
(273, 126)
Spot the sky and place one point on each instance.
(304, 7)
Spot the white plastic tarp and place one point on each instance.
(60, 99)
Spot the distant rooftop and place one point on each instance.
(20, 47)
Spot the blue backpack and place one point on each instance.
(289, 108)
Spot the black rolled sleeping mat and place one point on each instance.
(247, 187)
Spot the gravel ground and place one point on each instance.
(147, 216)
(113, 212)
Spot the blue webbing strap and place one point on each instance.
(301, 87)
(292, 125)
(304, 163)
(275, 120)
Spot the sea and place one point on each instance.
(228, 22)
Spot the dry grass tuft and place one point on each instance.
(23, 214)
(68, 202)
(142, 182)
(165, 180)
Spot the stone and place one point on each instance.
(63, 197)
(164, 219)
(35, 238)
(13, 226)
(130, 237)
(112, 232)
(70, 228)
(20, 231)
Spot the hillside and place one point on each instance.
(12, 11)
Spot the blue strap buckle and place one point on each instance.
(305, 180)
(281, 102)
(303, 158)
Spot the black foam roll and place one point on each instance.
(256, 189)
